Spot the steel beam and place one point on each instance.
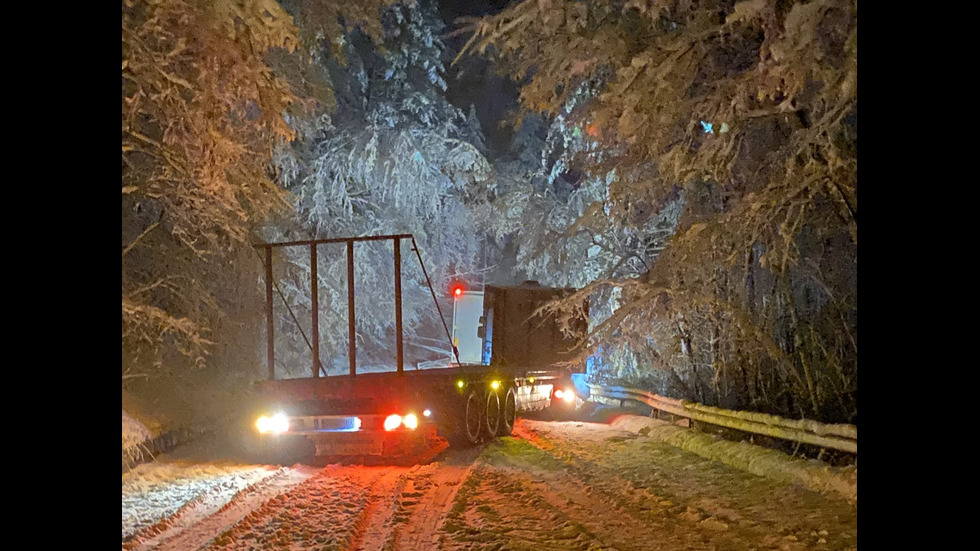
(337, 240)
(314, 290)
(351, 336)
(399, 351)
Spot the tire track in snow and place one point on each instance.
(332, 510)
(374, 523)
(202, 505)
(578, 511)
(493, 508)
(579, 503)
(435, 487)
(647, 520)
(244, 502)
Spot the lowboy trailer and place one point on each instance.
(407, 413)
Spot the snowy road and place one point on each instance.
(560, 486)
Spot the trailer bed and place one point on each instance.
(346, 415)
(380, 392)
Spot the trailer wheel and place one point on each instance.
(492, 418)
(508, 413)
(473, 418)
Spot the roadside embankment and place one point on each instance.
(761, 461)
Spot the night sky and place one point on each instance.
(472, 81)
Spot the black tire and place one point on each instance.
(472, 429)
(491, 419)
(508, 413)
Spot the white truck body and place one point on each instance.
(467, 310)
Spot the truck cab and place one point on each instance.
(499, 326)
(515, 333)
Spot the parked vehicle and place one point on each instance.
(512, 365)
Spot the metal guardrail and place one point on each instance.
(840, 437)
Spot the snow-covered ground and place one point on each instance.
(159, 496)
(553, 485)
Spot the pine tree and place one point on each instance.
(200, 111)
(209, 89)
(395, 157)
(745, 113)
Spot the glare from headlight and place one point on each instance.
(264, 424)
(393, 421)
(277, 424)
(280, 423)
(569, 396)
(558, 393)
(411, 421)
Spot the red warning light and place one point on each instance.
(456, 288)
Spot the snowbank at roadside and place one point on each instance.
(177, 409)
(134, 435)
(766, 462)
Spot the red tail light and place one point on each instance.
(567, 394)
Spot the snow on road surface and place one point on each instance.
(553, 485)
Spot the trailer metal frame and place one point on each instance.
(396, 240)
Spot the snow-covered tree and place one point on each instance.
(395, 157)
(746, 113)
(208, 90)
(555, 215)
(200, 113)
